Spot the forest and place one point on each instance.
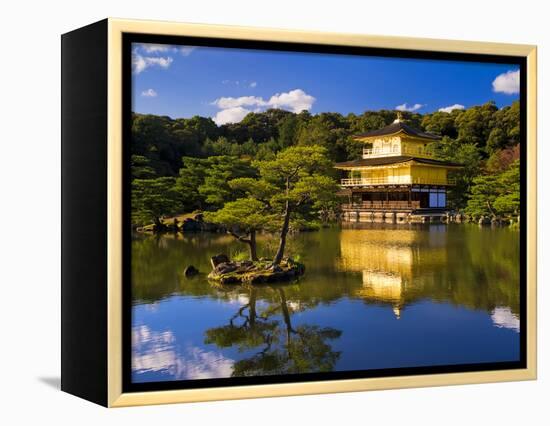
(191, 164)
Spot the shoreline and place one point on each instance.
(189, 224)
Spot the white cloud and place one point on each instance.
(163, 48)
(147, 55)
(154, 48)
(230, 115)
(296, 100)
(141, 63)
(233, 111)
(229, 102)
(149, 93)
(251, 84)
(507, 83)
(186, 50)
(409, 108)
(451, 108)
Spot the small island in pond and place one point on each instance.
(225, 271)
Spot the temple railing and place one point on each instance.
(396, 180)
(382, 205)
(398, 150)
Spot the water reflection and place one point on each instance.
(504, 317)
(372, 297)
(155, 354)
(400, 266)
(279, 347)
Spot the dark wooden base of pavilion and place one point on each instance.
(394, 204)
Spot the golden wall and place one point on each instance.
(404, 174)
(428, 174)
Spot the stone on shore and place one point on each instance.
(190, 271)
(484, 220)
(217, 259)
(197, 224)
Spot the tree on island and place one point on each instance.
(220, 170)
(291, 188)
(203, 182)
(242, 218)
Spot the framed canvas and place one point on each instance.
(253, 212)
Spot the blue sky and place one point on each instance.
(226, 84)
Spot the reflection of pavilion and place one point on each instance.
(391, 261)
(383, 287)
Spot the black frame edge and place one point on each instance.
(84, 212)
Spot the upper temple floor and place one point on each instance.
(398, 155)
(397, 139)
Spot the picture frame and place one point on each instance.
(96, 273)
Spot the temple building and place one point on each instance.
(397, 179)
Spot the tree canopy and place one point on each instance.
(243, 218)
(496, 194)
(205, 161)
(153, 198)
(291, 188)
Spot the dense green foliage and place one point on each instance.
(485, 140)
(153, 198)
(203, 182)
(203, 158)
(496, 194)
(289, 192)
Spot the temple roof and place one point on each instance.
(383, 161)
(396, 127)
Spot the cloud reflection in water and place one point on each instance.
(155, 351)
(503, 317)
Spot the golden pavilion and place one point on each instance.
(397, 178)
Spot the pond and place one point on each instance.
(373, 297)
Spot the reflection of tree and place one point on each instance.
(282, 347)
(250, 333)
